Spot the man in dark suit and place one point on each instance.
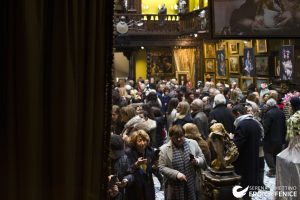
(247, 137)
(275, 130)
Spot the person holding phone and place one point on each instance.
(140, 156)
(179, 160)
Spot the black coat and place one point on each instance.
(275, 127)
(222, 115)
(247, 137)
(142, 187)
(187, 119)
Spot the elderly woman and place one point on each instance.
(183, 115)
(140, 162)
(179, 160)
(192, 132)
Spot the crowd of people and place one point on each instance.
(161, 128)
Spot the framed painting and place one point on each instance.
(245, 83)
(234, 66)
(276, 66)
(210, 65)
(222, 80)
(233, 47)
(249, 62)
(162, 63)
(234, 79)
(261, 46)
(182, 77)
(209, 50)
(286, 55)
(221, 69)
(247, 43)
(261, 80)
(262, 65)
(222, 46)
(209, 77)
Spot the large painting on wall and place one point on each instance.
(162, 62)
(286, 54)
(249, 18)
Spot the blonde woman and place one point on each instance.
(183, 115)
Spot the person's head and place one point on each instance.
(183, 108)
(295, 103)
(191, 131)
(139, 139)
(238, 110)
(173, 103)
(197, 105)
(212, 92)
(219, 100)
(116, 145)
(176, 133)
(205, 100)
(115, 113)
(271, 102)
(273, 94)
(252, 97)
(220, 87)
(265, 97)
(127, 113)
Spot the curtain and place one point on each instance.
(185, 61)
(55, 98)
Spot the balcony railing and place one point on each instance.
(153, 24)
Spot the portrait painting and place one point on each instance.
(234, 80)
(260, 80)
(234, 64)
(261, 46)
(209, 50)
(245, 83)
(233, 47)
(221, 64)
(249, 62)
(276, 66)
(286, 55)
(162, 63)
(222, 45)
(210, 65)
(182, 77)
(262, 65)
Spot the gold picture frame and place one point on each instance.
(247, 43)
(245, 82)
(182, 77)
(221, 65)
(261, 46)
(222, 45)
(235, 79)
(276, 66)
(260, 80)
(222, 80)
(209, 50)
(234, 64)
(210, 65)
(233, 48)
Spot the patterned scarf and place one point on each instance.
(181, 161)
